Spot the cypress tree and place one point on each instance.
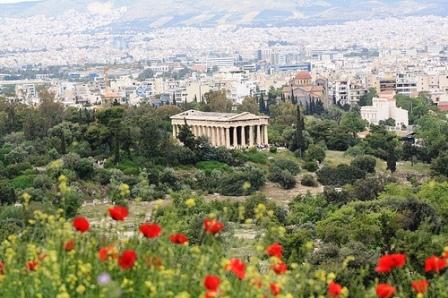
(299, 141)
(261, 104)
(174, 99)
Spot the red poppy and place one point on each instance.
(420, 286)
(179, 238)
(275, 250)
(212, 282)
(81, 224)
(213, 226)
(237, 267)
(127, 259)
(388, 262)
(32, 265)
(275, 288)
(150, 230)
(434, 264)
(334, 289)
(69, 245)
(118, 213)
(2, 268)
(108, 252)
(385, 291)
(279, 268)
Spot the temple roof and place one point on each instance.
(212, 116)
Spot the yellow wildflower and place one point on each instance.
(182, 295)
(190, 203)
(80, 289)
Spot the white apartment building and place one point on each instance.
(383, 108)
(220, 62)
(406, 84)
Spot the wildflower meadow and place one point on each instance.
(189, 249)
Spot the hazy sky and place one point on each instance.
(14, 1)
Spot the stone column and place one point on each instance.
(174, 131)
(217, 137)
(251, 135)
(214, 143)
(243, 137)
(222, 134)
(258, 135)
(265, 136)
(212, 136)
(235, 137)
(227, 137)
(209, 134)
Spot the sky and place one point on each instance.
(14, 1)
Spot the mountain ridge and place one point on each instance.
(257, 13)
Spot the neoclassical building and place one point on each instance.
(230, 130)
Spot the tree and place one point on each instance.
(50, 111)
(382, 143)
(187, 138)
(315, 152)
(439, 165)
(7, 194)
(366, 99)
(284, 114)
(174, 99)
(299, 143)
(365, 163)
(217, 101)
(392, 158)
(416, 106)
(112, 118)
(353, 123)
(261, 103)
(293, 98)
(67, 132)
(249, 105)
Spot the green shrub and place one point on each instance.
(286, 164)
(308, 180)
(365, 163)
(7, 193)
(128, 167)
(283, 177)
(242, 181)
(42, 181)
(339, 175)
(17, 169)
(273, 149)
(22, 181)
(315, 152)
(311, 166)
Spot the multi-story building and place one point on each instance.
(385, 107)
(406, 84)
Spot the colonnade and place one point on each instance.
(241, 136)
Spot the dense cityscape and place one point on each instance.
(220, 149)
